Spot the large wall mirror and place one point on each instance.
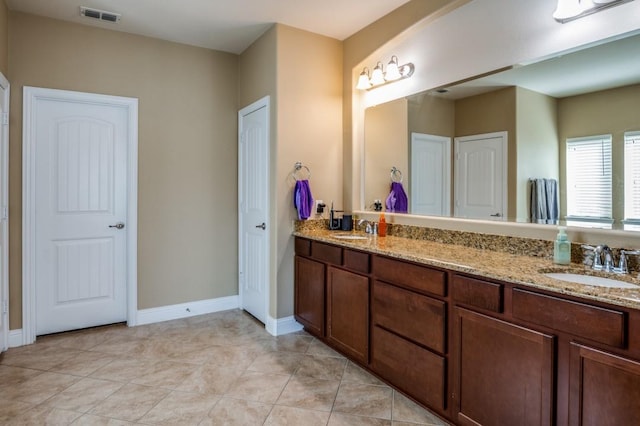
(485, 148)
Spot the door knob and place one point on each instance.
(262, 225)
(118, 225)
(496, 215)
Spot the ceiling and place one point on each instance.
(226, 25)
(605, 66)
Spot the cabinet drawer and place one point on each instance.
(478, 293)
(302, 247)
(411, 368)
(411, 315)
(581, 320)
(416, 277)
(326, 253)
(356, 261)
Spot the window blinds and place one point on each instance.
(632, 177)
(589, 178)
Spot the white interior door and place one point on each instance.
(430, 175)
(4, 209)
(80, 177)
(253, 207)
(481, 176)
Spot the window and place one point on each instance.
(589, 179)
(632, 178)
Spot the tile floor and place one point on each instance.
(217, 369)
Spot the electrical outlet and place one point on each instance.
(320, 205)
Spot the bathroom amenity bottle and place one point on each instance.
(562, 248)
(382, 226)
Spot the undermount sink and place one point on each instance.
(590, 280)
(350, 237)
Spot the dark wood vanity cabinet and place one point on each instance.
(604, 388)
(332, 296)
(473, 350)
(348, 313)
(309, 291)
(408, 329)
(504, 373)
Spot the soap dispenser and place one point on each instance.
(562, 247)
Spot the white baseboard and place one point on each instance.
(280, 326)
(15, 338)
(185, 310)
(275, 327)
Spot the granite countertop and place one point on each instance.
(518, 269)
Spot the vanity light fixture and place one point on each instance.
(568, 10)
(379, 77)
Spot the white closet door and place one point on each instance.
(253, 204)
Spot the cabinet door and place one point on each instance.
(309, 289)
(348, 313)
(605, 388)
(505, 372)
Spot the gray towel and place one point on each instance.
(543, 207)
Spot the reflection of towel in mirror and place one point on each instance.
(397, 200)
(544, 201)
(302, 199)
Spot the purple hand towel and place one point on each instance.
(302, 199)
(397, 200)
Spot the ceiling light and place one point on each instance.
(568, 10)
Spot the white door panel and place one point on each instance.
(81, 185)
(481, 170)
(253, 201)
(430, 175)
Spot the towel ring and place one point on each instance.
(396, 175)
(296, 172)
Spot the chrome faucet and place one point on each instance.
(370, 227)
(603, 259)
(607, 264)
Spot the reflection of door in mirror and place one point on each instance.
(481, 176)
(430, 175)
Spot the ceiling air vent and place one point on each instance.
(101, 15)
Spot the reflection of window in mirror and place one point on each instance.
(632, 180)
(589, 179)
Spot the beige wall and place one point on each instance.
(301, 72)
(537, 150)
(309, 127)
(386, 133)
(4, 39)
(187, 215)
(432, 115)
(612, 112)
(356, 49)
